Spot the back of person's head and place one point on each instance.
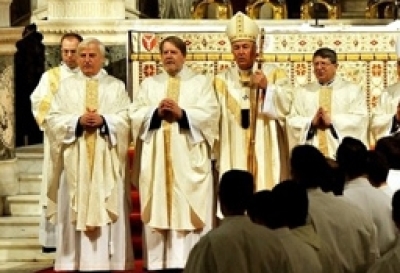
(262, 209)
(389, 147)
(377, 168)
(337, 179)
(351, 156)
(235, 191)
(396, 208)
(309, 166)
(291, 201)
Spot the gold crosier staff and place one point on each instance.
(254, 109)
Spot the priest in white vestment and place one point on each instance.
(174, 119)
(326, 111)
(41, 99)
(88, 131)
(385, 119)
(386, 114)
(238, 245)
(250, 139)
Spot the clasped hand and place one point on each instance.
(259, 80)
(91, 120)
(169, 110)
(322, 119)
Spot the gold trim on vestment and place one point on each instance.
(44, 105)
(325, 99)
(232, 104)
(173, 90)
(92, 87)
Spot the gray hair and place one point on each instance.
(97, 42)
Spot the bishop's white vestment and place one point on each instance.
(92, 215)
(173, 166)
(270, 151)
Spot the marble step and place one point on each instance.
(19, 227)
(22, 250)
(25, 267)
(22, 205)
(30, 159)
(30, 183)
(34, 148)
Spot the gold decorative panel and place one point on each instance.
(366, 54)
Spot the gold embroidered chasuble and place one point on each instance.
(172, 93)
(348, 109)
(325, 97)
(44, 105)
(92, 86)
(172, 165)
(93, 165)
(270, 149)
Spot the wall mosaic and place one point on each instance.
(7, 122)
(367, 58)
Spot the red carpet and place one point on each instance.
(136, 232)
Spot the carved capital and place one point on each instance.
(8, 38)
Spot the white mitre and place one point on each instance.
(241, 27)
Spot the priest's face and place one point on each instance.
(172, 58)
(90, 59)
(69, 53)
(244, 54)
(324, 69)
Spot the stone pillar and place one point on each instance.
(8, 165)
(5, 13)
(131, 4)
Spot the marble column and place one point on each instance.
(8, 162)
(5, 13)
